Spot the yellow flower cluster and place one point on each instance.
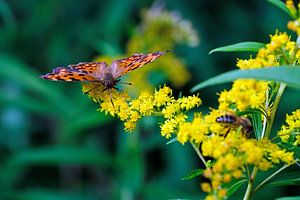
(233, 153)
(290, 133)
(246, 94)
(295, 14)
(129, 110)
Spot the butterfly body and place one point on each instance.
(107, 75)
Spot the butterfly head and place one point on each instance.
(109, 81)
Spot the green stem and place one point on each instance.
(274, 108)
(196, 148)
(266, 133)
(270, 177)
(250, 184)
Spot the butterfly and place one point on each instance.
(101, 72)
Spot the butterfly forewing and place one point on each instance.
(86, 67)
(136, 61)
(68, 74)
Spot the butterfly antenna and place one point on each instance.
(126, 83)
(92, 89)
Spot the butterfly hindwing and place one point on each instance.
(68, 74)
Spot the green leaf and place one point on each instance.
(257, 124)
(172, 141)
(279, 4)
(57, 155)
(45, 194)
(284, 180)
(289, 198)
(20, 73)
(240, 47)
(232, 189)
(193, 174)
(285, 74)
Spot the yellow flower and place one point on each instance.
(244, 94)
(171, 109)
(163, 96)
(168, 127)
(290, 133)
(206, 187)
(222, 193)
(290, 5)
(189, 102)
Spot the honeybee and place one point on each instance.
(235, 121)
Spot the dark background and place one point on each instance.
(53, 142)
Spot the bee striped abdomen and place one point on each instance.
(234, 121)
(229, 119)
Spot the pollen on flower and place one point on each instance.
(171, 109)
(163, 96)
(189, 102)
(244, 94)
(206, 187)
(290, 133)
(168, 127)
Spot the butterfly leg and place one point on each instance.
(93, 89)
(111, 99)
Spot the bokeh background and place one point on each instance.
(54, 144)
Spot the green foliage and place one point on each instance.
(239, 47)
(49, 128)
(279, 4)
(234, 187)
(192, 174)
(283, 74)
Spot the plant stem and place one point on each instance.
(266, 134)
(250, 184)
(270, 177)
(274, 108)
(199, 153)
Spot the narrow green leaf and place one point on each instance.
(289, 198)
(28, 78)
(79, 124)
(279, 4)
(45, 194)
(193, 174)
(232, 189)
(285, 74)
(59, 155)
(256, 119)
(257, 124)
(284, 182)
(172, 141)
(240, 47)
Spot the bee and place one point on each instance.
(234, 121)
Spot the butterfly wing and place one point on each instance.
(86, 67)
(84, 72)
(135, 61)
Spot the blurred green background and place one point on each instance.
(53, 142)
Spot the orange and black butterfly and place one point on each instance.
(101, 72)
